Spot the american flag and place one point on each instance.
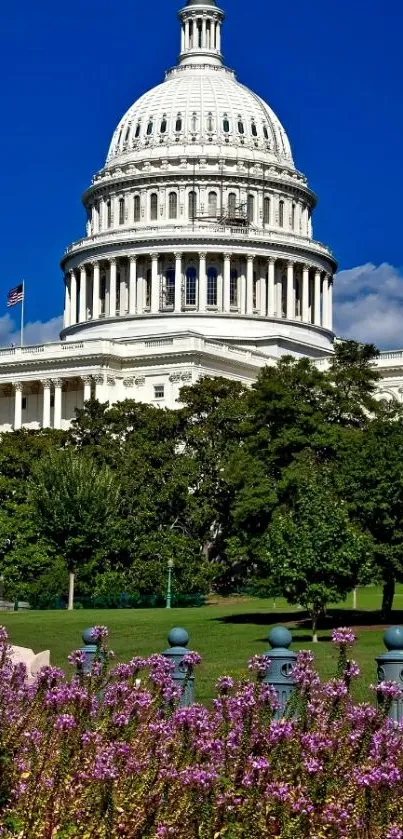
(15, 295)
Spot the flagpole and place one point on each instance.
(22, 313)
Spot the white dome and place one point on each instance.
(204, 106)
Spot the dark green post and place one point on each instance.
(280, 662)
(89, 649)
(169, 584)
(390, 667)
(178, 640)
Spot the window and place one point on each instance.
(193, 122)
(136, 208)
(24, 403)
(266, 211)
(163, 127)
(210, 123)
(241, 128)
(169, 291)
(211, 287)
(254, 129)
(231, 204)
(190, 290)
(148, 288)
(108, 214)
(137, 134)
(225, 125)
(150, 128)
(127, 135)
(293, 216)
(192, 204)
(172, 205)
(121, 210)
(153, 206)
(233, 288)
(281, 214)
(178, 124)
(251, 207)
(159, 391)
(265, 133)
(212, 203)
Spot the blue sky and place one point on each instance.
(332, 71)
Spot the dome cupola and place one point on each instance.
(201, 33)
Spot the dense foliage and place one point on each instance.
(110, 754)
(265, 488)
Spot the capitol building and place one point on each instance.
(199, 256)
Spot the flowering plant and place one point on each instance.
(110, 754)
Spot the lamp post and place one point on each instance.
(169, 586)
(1, 586)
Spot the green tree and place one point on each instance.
(76, 503)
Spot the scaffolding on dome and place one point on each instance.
(236, 216)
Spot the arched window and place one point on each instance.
(172, 205)
(169, 287)
(266, 211)
(241, 128)
(265, 132)
(193, 123)
(212, 287)
(121, 210)
(225, 125)
(136, 208)
(127, 135)
(254, 129)
(210, 123)
(163, 126)
(231, 204)
(148, 288)
(178, 123)
(153, 206)
(192, 204)
(251, 208)
(190, 289)
(150, 128)
(138, 127)
(233, 288)
(293, 216)
(281, 213)
(108, 214)
(212, 203)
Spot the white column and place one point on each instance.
(218, 36)
(112, 288)
(100, 388)
(95, 292)
(249, 285)
(57, 417)
(133, 285)
(47, 384)
(17, 405)
(83, 295)
(178, 282)
(155, 286)
(66, 318)
(330, 304)
(290, 291)
(271, 288)
(202, 283)
(316, 295)
(279, 293)
(73, 298)
(123, 305)
(182, 37)
(204, 33)
(227, 281)
(242, 291)
(305, 293)
(87, 381)
(325, 301)
(263, 295)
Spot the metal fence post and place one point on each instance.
(178, 640)
(280, 662)
(390, 667)
(89, 649)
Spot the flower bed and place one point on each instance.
(110, 755)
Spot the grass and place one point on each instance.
(225, 633)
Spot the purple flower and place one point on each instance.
(343, 637)
(191, 660)
(65, 722)
(99, 633)
(77, 658)
(225, 684)
(387, 690)
(259, 664)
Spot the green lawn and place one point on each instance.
(225, 634)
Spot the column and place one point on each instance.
(305, 293)
(178, 282)
(202, 282)
(57, 416)
(271, 287)
(279, 293)
(83, 295)
(100, 388)
(325, 301)
(249, 285)
(66, 318)
(133, 285)
(87, 381)
(182, 37)
(155, 286)
(73, 298)
(47, 384)
(218, 37)
(330, 304)
(316, 296)
(263, 295)
(112, 288)
(95, 292)
(290, 291)
(123, 303)
(227, 281)
(204, 33)
(17, 405)
(242, 291)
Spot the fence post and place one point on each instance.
(390, 666)
(280, 662)
(178, 640)
(89, 649)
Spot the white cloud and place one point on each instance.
(36, 332)
(368, 304)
